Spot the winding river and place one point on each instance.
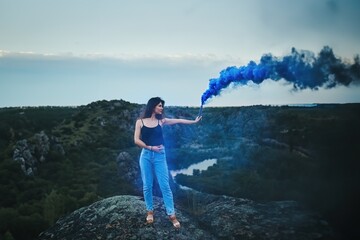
(197, 166)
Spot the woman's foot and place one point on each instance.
(174, 221)
(150, 217)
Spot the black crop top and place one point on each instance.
(152, 136)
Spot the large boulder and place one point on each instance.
(220, 217)
(236, 218)
(122, 217)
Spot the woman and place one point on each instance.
(148, 135)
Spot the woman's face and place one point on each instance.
(158, 108)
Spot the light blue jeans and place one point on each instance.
(152, 162)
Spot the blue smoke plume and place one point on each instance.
(301, 68)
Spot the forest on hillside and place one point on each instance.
(265, 153)
(62, 183)
(307, 154)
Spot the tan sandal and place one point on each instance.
(174, 221)
(150, 217)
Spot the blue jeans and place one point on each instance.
(150, 163)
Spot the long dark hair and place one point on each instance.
(150, 106)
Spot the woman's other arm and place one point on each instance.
(137, 139)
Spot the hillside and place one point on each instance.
(56, 160)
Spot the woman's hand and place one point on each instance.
(197, 119)
(157, 148)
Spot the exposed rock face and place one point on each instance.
(235, 218)
(123, 217)
(29, 152)
(23, 155)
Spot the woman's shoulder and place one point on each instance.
(164, 121)
(144, 121)
(140, 121)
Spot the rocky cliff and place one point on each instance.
(30, 152)
(123, 217)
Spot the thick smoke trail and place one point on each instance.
(301, 68)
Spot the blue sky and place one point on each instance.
(75, 52)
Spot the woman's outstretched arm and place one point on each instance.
(172, 121)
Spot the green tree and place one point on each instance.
(8, 236)
(53, 206)
(7, 218)
(28, 227)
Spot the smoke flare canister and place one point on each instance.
(200, 111)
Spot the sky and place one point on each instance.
(74, 52)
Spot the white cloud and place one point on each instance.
(66, 79)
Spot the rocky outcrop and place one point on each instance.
(123, 217)
(23, 154)
(235, 218)
(30, 152)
